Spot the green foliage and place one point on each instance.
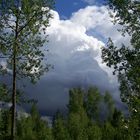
(20, 35)
(5, 123)
(117, 118)
(5, 96)
(75, 100)
(126, 63)
(110, 105)
(4, 93)
(77, 124)
(108, 131)
(127, 13)
(84, 120)
(33, 127)
(94, 132)
(60, 131)
(92, 103)
(77, 118)
(126, 60)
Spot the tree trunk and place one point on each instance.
(13, 117)
(13, 127)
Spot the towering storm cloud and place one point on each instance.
(75, 52)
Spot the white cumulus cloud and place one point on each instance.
(75, 52)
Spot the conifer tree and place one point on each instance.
(60, 130)
(77, 116)
(92, 103)
(33, 127)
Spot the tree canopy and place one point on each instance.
(22, 34)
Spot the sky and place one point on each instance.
(66, 7)
(77, 32)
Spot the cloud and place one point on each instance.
(75, 52)
(3, 67)
(97, 21)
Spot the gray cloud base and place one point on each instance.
(76, 57)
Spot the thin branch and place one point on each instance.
(12, 27)
(26, 24)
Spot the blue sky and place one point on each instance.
(66, 7)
